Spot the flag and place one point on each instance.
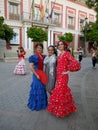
(41, 8)
(32, 7)
(51, 13)
(47, 9)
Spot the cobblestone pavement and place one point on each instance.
(14, 91)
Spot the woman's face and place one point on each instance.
(39, 49)
(50, 51)
(21, 49)
(61, 46)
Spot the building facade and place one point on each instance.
(56, 16)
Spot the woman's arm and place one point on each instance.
(65, 72)
(33, 70)
(73, 65)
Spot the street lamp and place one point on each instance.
(85, 29)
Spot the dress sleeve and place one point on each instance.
(73, 64)
(33, 59)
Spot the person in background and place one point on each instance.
(37, 96)
(80, 54)
(20, 68)
(94, 58)
(50, 67)
(61, 102)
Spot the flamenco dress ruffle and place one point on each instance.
(20, 68)
(37, 97)
(61, 101)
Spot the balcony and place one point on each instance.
(36, 19)
(56, 22)
(71, 26)
(14, 16)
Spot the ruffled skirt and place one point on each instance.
(61, 102)
(37, 97)
(20, 68)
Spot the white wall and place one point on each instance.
(63, 29)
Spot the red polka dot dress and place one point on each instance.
(61, 102)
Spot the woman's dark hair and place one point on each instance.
(39, 44)
(62, 42)
(55, 51)
(21, 48)
(59, 42)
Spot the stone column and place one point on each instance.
(25, 37)
(51, 37)
(48, 37)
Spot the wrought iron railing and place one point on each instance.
(13, 16)
(37, 19)
(71, 26)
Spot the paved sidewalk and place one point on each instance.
(14, 91)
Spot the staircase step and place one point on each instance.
(10, 59)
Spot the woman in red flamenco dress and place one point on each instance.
(61, 102)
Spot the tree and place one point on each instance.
(93, 4)
(67, 37)
(92, 33)
(91, 30)
(6, 32)
(37, 34)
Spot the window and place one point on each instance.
(16, 40)
(36, 14)
(70, 22)
(13, 11)
(56, 18)
(82, 23)
(91, 22)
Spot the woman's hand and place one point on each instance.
(37, 76)
(65, 72)
(33, 70)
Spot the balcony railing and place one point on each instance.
(71, 26)
(36, 18)
(14, 16)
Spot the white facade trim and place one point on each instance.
(61, 7)
(14, 1)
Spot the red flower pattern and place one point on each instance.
(61, 102)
